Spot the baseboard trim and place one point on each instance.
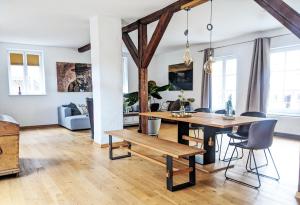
(39, 127)
(287, 135)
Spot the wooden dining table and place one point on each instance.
(212, 124)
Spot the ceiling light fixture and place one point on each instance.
(187, 58)
(209, 63)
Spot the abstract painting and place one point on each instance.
(74, 77)
(181, 77)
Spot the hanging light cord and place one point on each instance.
(187, 27)
(210, 26)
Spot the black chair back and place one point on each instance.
(243, 130)
(207, 110)
(261, 134)
(223, 112)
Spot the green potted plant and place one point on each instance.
(153, 93)
(184, 101)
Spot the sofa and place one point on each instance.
(75, 122)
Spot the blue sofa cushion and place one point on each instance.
(78, 122)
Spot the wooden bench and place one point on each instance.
(167, 148)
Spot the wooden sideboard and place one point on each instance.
(9, 146)
(130, 119)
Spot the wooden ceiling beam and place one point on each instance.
(85, 48)
(143, 77)
(283, 13)
(193, 4)
(176, 6)
(131, 48)
(156, 37)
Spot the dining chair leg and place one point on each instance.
(278, 176)
(237, 153)
(220, 150)
(260, 166)
(258, 178)
(241, 182)
(228, 165)
(242, 152)
(263, 175)
(217, 143)
(247, 163)
(226, 150)
(266, 158)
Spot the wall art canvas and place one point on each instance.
(74, 77)
(181, 77)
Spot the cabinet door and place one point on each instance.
(127, 120)
(136, 119)
(9, 153)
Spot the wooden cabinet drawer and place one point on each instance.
(9, 158)
(136, 119)
(131, 120)
(127, 119)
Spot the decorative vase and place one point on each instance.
(182, 109)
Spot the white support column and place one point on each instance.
(106, 57)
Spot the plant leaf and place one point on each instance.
(132, 98)
(163, 88)
(156, 95)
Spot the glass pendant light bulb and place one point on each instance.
(187, 58)
(208, 65)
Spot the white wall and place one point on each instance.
(158, 71)
(39, 110)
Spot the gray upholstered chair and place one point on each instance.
(241, 134)
(260, 138)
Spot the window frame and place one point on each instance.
(224, 59)
(281, 50)
(24, 52)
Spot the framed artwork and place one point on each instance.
(74, 77)
(181, 77)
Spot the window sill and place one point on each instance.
(13, 95)
(283, 115)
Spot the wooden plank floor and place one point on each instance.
(63, 167)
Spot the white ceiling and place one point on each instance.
(66, 22)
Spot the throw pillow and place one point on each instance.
(83, 108)
(175, 106)
(74, 109)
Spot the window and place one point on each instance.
(125, 74)
(26, 73)
(223, 82)
(284, 95)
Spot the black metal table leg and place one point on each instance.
(192, 175)
(209, 145)
(111, 157)
(183, 129)
(209, 142)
